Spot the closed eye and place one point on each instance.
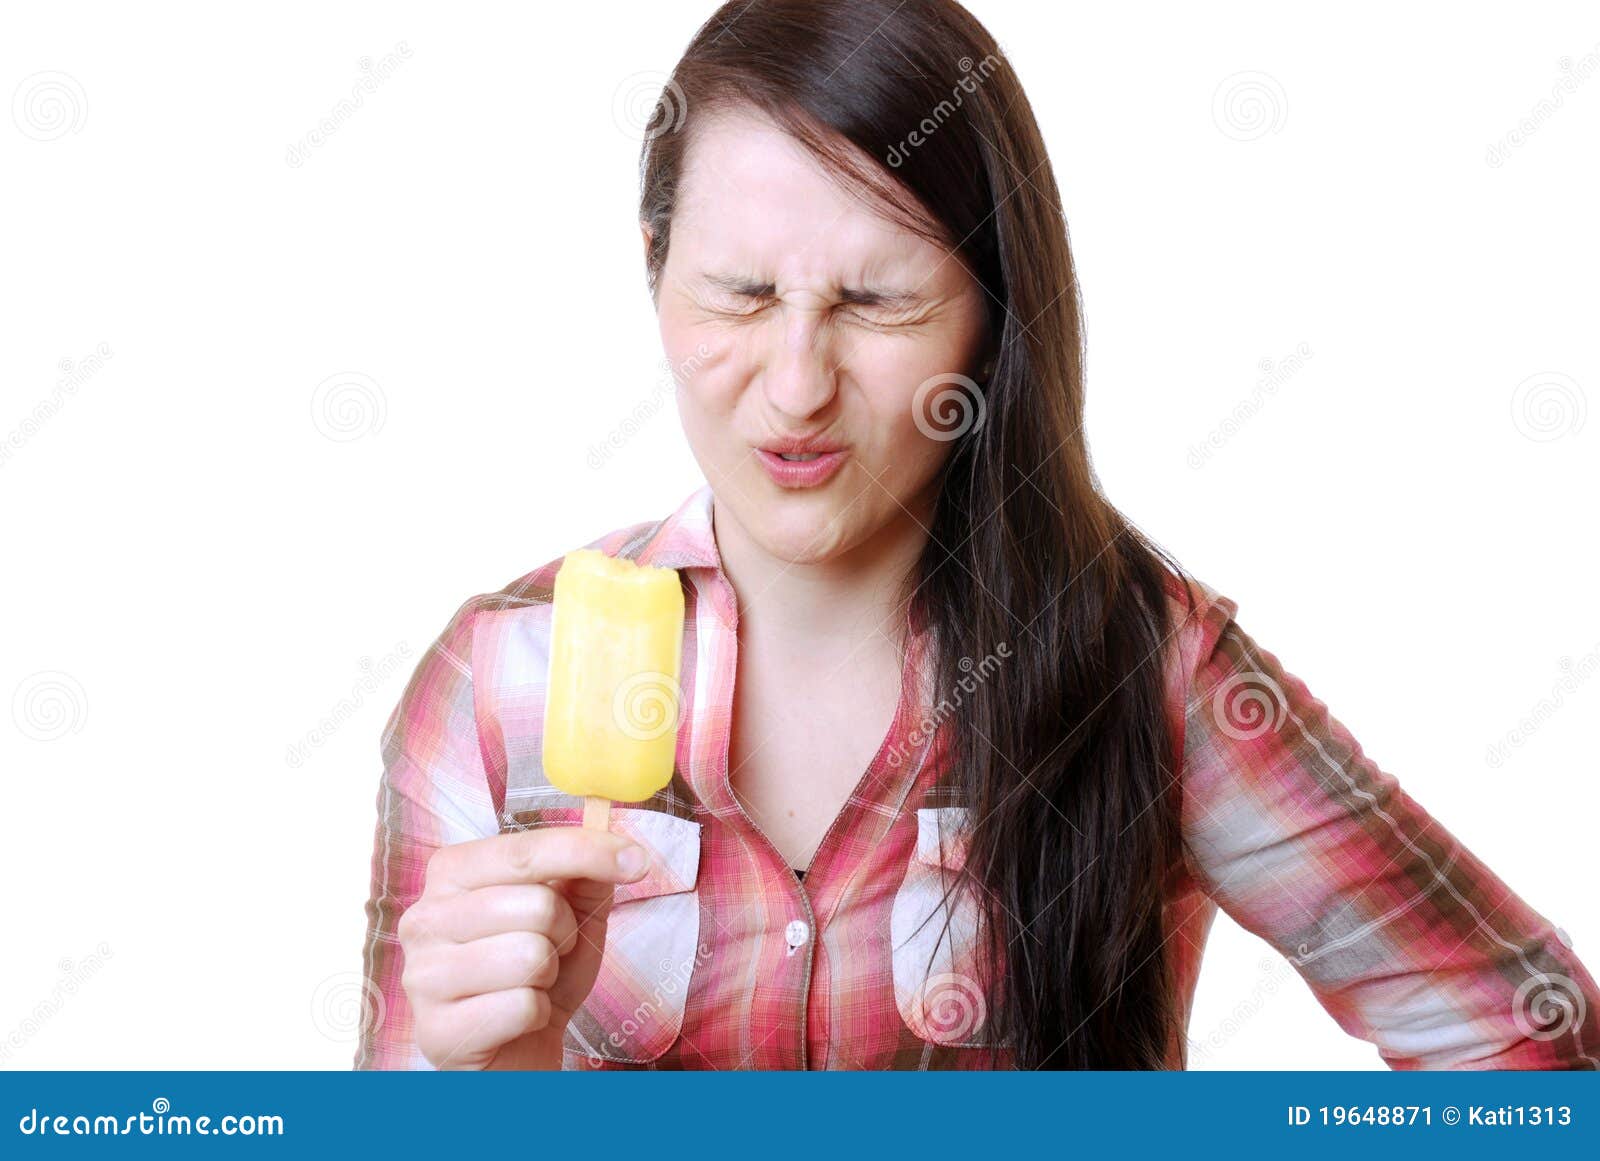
(737, 297)
(881, 321)
(741, 308)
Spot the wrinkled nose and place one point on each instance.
(800, 375)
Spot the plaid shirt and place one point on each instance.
(721, 958)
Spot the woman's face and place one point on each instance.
(798, 320)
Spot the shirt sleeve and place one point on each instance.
(1405, 937)
(433, 792)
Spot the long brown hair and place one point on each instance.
(1062, 753)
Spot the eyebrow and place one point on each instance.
(854, 296)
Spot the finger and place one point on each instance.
(534, 856)
(580, 964)
(512, 959)
(473, 1028)
(493, 910)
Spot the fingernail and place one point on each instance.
(632, 861)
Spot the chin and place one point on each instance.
(802, 530)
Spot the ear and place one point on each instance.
(644, 229)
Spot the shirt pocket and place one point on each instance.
(635, 1012)
(933, 931)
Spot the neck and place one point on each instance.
(822, 604)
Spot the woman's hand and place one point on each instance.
(505, 941)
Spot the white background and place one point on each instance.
(202, 567)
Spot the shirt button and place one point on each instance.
(797, 932)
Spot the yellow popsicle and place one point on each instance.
(612, 704)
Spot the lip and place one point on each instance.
(809, 474)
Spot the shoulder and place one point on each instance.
(1198, 616)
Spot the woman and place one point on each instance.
(966, 764)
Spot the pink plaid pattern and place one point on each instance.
(721, 958)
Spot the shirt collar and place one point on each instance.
(685, 539)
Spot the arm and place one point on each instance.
(1404, 936)
(434, 792)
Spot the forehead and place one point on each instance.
(754, 199)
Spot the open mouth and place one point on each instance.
(807, 469)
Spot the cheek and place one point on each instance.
(700, 359)
(908, 389)
(707, 394)
(907, 456)
(680, 344)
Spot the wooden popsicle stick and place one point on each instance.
(596, 812)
